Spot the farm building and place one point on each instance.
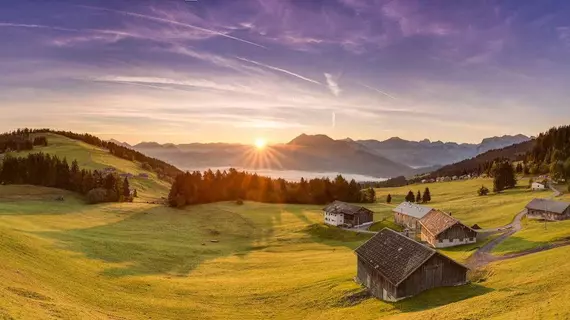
(441, 230)
(340, 213)
(394, 267)
(408, 214)
(548, 209)
(537, 186)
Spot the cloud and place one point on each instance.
(217, 60)
(176, 23)
(332, 84)
(280, 70)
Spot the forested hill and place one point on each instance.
(516, 152)
(551, 153)
(162, 169)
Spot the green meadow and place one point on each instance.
(69, 260)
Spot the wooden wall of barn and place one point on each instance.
(438, 271)
(458, 231)
(539, 214)
(406, 221)
(376, 283)
(359, 218)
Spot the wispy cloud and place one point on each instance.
(332, 84)
(217, 60)
(279, 70)
(176, 23)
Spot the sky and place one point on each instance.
(234, 71)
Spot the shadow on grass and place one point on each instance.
(441, 296)
(334, 236)
(162, 240)
(514, 244)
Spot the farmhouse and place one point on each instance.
(408, 214)
(441, 230)
(394, 267)
(548, 209)
(537, 186)
(340, 213)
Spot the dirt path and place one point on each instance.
(483, 255)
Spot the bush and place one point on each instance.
(239, 202)
(483, 191)
(97, 195)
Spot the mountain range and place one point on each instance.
(320, 153)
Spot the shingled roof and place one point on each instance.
(435, 222)
(548, 205)
(344, 208)
(393, 255)
(412, 209)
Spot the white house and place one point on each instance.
(538, 186)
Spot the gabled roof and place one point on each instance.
(344, 208)
(436, 222)
(412, 209)
(548, 205)
(393, 255)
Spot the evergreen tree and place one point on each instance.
(419, 197)
(427, 195)
(389, 198)
(126, 188)
(410, 196)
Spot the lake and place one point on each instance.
(296, 175)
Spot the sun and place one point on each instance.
(260, 143)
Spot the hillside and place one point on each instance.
(95, 158)
(134, 260)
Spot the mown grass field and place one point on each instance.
(461, 200)
(69, 260)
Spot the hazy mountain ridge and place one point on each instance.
(391, 157)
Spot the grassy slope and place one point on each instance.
(94, 158)
(461, 199)
(143, 261)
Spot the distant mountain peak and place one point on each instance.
(311, 140)
(148, 144)
(119, 143)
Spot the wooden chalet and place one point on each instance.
(408, 215)
(441, 230)
(340, 213)
(394, 267)
(548, 209)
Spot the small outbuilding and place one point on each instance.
(548, 209)
(441, 230)
(395, 267)
(537, 186)
(340, 213)
(408, 215)
(475, 227)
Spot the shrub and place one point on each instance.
(483, 191)
(239, 202)
(97, 195)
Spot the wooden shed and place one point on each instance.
(548, 209)
(394, 267)
(340, 213)
(408, 215)
(441, 230)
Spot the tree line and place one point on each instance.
(164, 170)
(20, 140)
(50, 171)
(551, 153)
(232, 185)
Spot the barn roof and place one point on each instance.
(435, 222)
(344, 208)
(412, 209)
(393, 255)
(548, 205)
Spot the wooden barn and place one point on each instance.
(408, 215)
(394, 267)
(441, 230)
(340, 213)
(548, 209)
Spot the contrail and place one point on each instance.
(334, 119)
(379, 91)
(144, 16)
(279, 69)
(35, 26)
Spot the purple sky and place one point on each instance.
(213, 70)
